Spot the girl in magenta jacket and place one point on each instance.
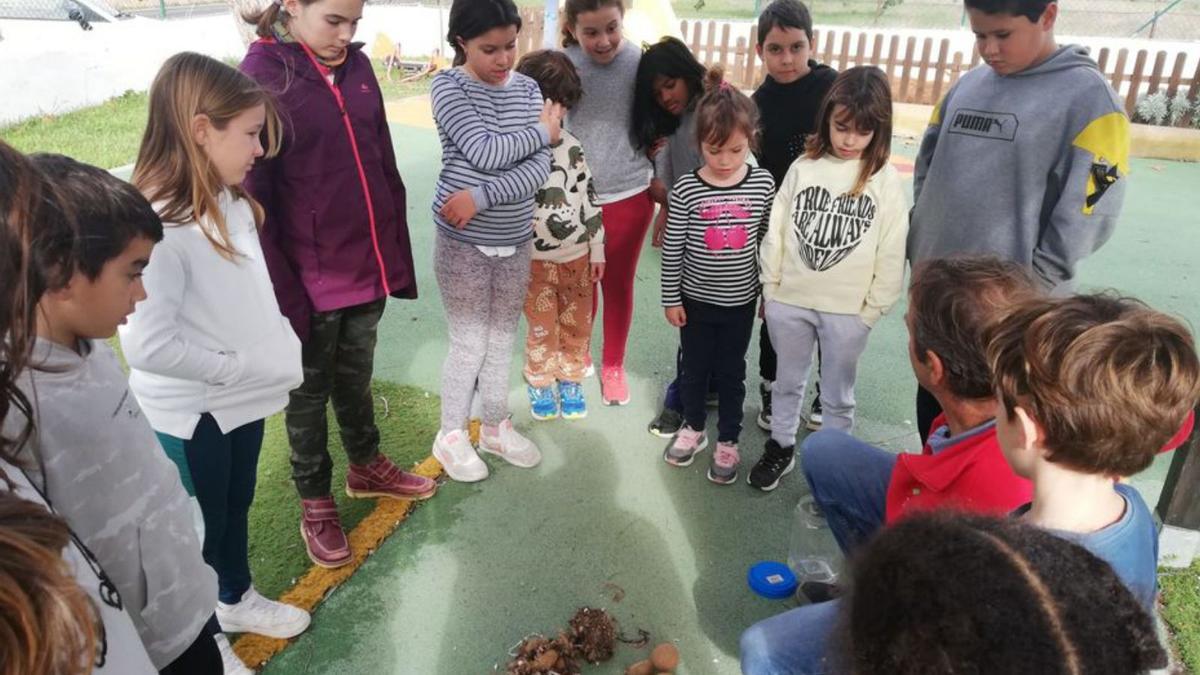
(336, 243)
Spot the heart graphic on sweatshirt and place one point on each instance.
(829, 228)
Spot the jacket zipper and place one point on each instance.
(362, 173)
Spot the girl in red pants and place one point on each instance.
(607, 66)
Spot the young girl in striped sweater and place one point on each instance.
(716, 217)
(496, 133)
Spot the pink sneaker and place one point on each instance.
(686, 444)
(723, 469)
(614, 388)
(382, 478)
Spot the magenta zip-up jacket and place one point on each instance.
(336, 233)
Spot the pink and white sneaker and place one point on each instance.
(684, 447)
(723, 469)
(508, 444)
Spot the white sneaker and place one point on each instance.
(232, 664)
(458, 457)
(256, 614)
(508, 444)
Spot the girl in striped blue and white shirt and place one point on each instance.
(717, 216)
(496, 133)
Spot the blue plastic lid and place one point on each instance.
(773, 580)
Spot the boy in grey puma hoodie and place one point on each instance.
(92, 455)
(1024, 158)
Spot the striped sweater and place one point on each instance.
(494, 146)
(710, 250)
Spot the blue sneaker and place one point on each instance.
(542, 403)
(574, 407)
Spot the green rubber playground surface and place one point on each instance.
(603, 521)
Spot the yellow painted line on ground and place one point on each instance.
(318, 582)
(414, 111)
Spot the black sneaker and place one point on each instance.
(814, 416)
(775, 463)
(764, 413)
(667, 423)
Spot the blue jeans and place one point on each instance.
(796, 642)
(223, 469)
(849, 481)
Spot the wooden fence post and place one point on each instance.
(906, 75)
(725, 48)
(1135, 82)
(939, 75)
(923, 70)
(1176, 74)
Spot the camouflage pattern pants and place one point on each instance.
(483, 297)
(558, 308)
(338, 357)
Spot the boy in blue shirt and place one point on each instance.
(1088, 390)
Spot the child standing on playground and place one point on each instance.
(209, 352)
(336, 243)
(832, 259)
(788, 101)
(716, 218)
(568, 258)
(496, 131)
(607, 65)
(669, 83)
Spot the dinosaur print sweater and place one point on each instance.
(566, 219)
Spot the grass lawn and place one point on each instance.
(108, 135)
(1181, 609)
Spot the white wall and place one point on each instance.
(51, 67)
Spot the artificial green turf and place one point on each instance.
(407, 419)
(1181, 610)
(108, 135)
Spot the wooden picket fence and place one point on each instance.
(922, 70)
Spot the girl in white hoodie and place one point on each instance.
(210, 354)
(832, 261)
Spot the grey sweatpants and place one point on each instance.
(484, 298)
(795, 332)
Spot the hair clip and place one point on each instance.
(724, 86)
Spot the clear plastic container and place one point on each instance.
(810, 553)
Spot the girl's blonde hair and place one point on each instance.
(172, 170)
(573, 8)
(723, 110)
(866, 97)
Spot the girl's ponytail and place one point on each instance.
(264, 19)
(723, 110)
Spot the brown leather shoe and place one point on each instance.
(322, 532)
(382, 478)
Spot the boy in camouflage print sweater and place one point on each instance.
(568, 259)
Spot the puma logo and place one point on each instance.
(983, 124)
